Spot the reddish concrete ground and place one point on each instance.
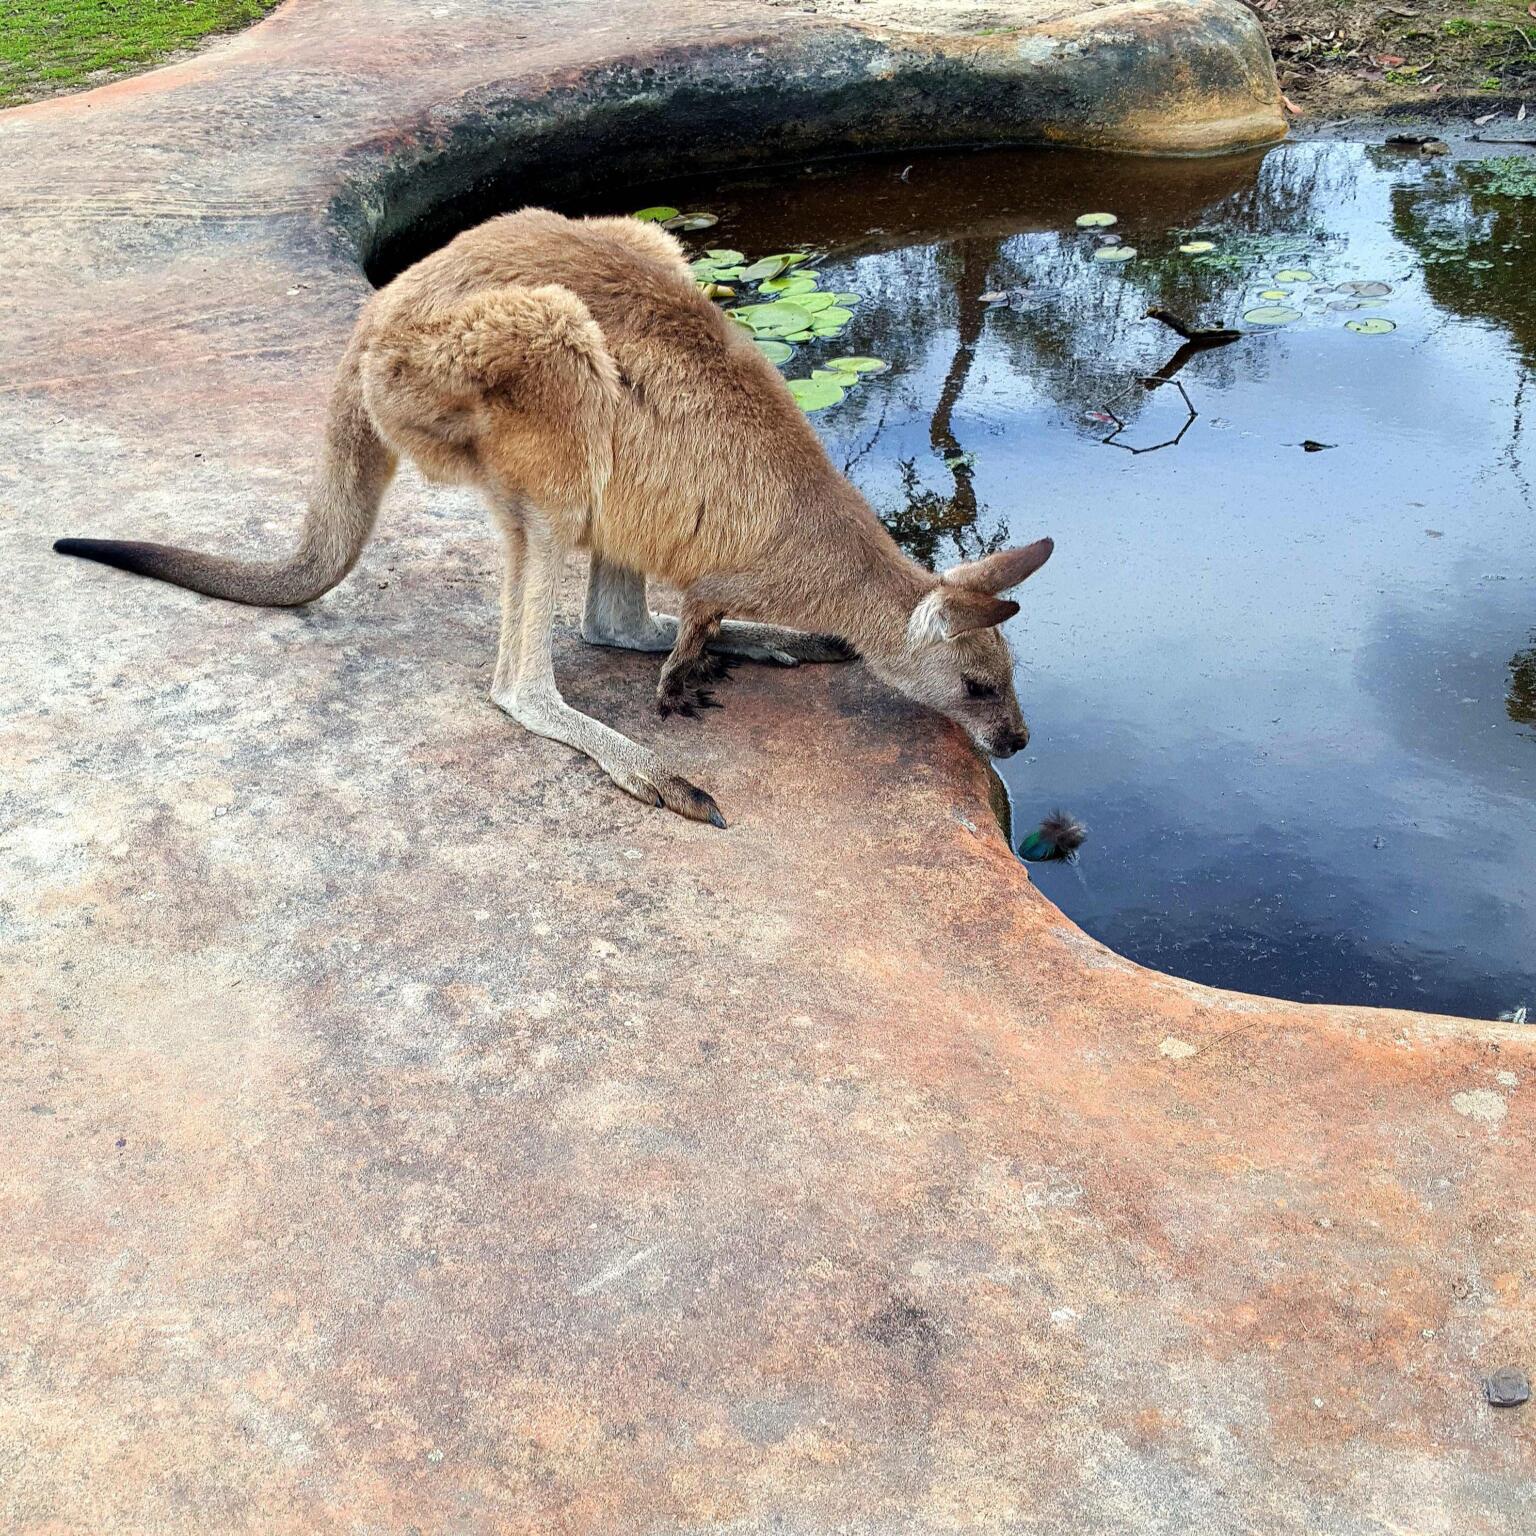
(404, 1132)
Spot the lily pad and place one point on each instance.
(858, 364)
(832, 314)
(801, 336)
(1293, 275)
(815, 300)
(657, 215)
(730, 258)
(790, 258)
(1197, 247)
(769, 266)
(1375, 326)
(784, 286)
(1367, 290)
(775, 351)
(815, 394)
(687, 222)
(1114, 253)
(847, 300)
(777, 318)
(1272, 314)
(1096, 220)
(1275, 294)
(1344, 304)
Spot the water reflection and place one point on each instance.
(1292, 693)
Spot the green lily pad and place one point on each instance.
(1272, 314)
(815, 394)
(793, 283)
(775, 351)
(1115, 253)
(658, 215)
(831, 314)
(847, 300)
(801, 336)
(1375, 326)
(1096, 220)
(1197, 247)
(1275, 294)
(836, 376)
(729, 257)
(776, 318)
(814, 300)
(769, 266)
(857, 364)
(1293, 275)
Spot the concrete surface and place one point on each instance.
(405, 1133)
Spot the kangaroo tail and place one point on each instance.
(356, 469)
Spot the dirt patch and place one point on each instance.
(1344, 56)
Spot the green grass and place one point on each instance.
(51, 45)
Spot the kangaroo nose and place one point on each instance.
(1011, 742)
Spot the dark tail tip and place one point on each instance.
(123, 554)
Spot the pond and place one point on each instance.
(1291, 690)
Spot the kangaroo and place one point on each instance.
(572, 371)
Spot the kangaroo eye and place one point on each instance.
(976, 690)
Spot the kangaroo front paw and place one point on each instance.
(686, 690)
(656, 786)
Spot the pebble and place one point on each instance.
(1508, 1387)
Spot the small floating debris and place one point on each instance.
(688, 222)
(1200, 335)
(1311, 445)
(1096, 220)
(1059, 836)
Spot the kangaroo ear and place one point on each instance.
(1003, 571)
(948, 611)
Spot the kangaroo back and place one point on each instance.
(355, 469)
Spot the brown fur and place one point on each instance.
(572, 371)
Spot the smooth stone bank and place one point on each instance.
(405, 1132)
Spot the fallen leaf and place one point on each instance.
(1290, 106)
(1520, 115)
(1488, 117)
(1390, 60)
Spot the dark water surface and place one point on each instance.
(1292, 694)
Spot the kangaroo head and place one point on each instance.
(954, 658)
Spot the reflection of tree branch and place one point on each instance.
(977, 258)
(1172, 442)
(1166, 372)
(874, 437)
